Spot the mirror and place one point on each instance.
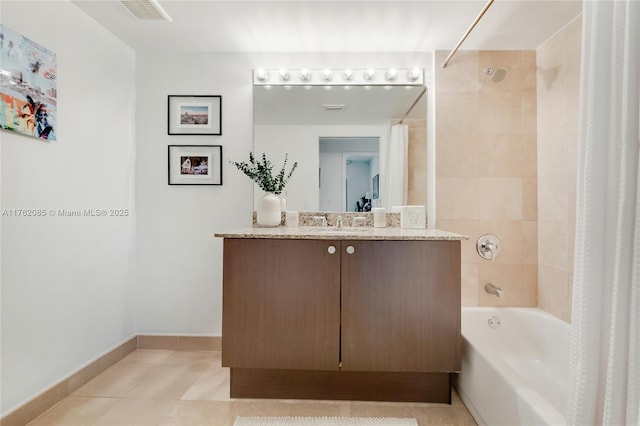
(295, 119)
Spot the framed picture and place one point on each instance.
(195, 115)
(28, 86)
(195, 164)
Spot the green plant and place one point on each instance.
(261, 172)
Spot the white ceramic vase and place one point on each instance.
(268, 211)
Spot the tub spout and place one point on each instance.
(492, 289)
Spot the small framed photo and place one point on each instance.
(195, 115)
(195, 164)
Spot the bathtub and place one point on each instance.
(515, 364)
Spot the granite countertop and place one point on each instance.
(346, 233)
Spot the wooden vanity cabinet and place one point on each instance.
(401, 306)
(350, 319)
(281, 304)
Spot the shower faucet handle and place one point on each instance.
(488, 246)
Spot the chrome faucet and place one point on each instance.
(488, 246)
(322, 219)
(492, 289)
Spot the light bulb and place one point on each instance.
(348, 74)
(305, 74)
(262, 75)
(392, 74)
(284, 74)
(413, 74)
(327, 75)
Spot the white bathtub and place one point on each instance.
(515, 374)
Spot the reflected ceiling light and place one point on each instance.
(413, 74)
(284, 74)
(305, 74)
(268, 87)
(348, 74)
(262, 75)
(333, 107)
(392, 74)
(347, 87)
(388, 87)
(288, 87)
(327, 74)
(307, 87)
(367, 87)
(328, 87)
(369, 74)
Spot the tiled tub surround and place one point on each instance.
(486, 170)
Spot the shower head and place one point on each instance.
(497, 75)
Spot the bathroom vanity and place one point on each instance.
(358, 314)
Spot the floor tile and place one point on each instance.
(75, 411)
(138, 412)
(183, 388)
(210, 386)
(199, 413)
(148, 356)
(167, 382)
(116, 381)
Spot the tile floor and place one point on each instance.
(165, 387)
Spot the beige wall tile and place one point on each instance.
(517, 281)
(530, 243)
(460, 75)
(456, 113)
(553, 200)
(499, 198)
(529, 112)
(457, 155)
(457, 198)
(554, 295)
(510, 234)
(530, 199)
(498, 112)
(530, 147)
(470, 228)
(501, 155)
(469, 284)
(553, 245)
(552, 150)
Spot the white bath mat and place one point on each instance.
(324, 421)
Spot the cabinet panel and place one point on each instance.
(401, 306)
(281, 304)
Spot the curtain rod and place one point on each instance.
(466, 34)
(413, 104)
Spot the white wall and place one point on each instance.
(179, 261)
(68, 283)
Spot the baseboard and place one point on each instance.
(30, 410)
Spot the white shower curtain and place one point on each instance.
(394, 167)
(605, 341)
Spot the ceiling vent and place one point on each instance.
(146, 9)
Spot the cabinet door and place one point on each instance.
(281, 304)
(401, 306)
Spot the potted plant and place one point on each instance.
(261, 172)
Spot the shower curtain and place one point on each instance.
(394, 167)
(604, 384)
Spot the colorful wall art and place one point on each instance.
(27, 86)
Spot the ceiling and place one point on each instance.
(335, 26)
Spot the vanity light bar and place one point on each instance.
(339, 77)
